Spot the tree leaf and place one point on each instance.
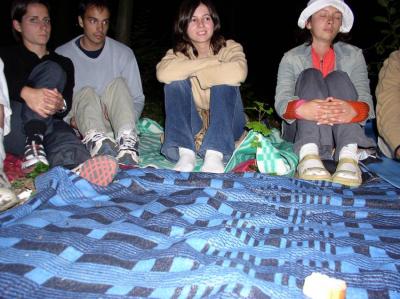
(258, 127)
(381, 19)
(383, 3)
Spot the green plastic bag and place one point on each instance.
(150, 133)
(273, 155)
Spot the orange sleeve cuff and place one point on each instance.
(362, 110)
(291, 109)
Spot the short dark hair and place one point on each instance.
(85, 4)
(18, 10)
(185, 14)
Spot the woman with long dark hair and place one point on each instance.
(202, 73)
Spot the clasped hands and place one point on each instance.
(45, 102)
(329, 111)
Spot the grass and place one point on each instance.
(26, 183)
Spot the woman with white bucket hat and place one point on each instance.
(323, 95)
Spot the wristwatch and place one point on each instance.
(64, 108)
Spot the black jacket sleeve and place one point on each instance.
(17, 68)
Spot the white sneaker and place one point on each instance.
(128, 153)
(8, 198)
(34, 152)
(98, 143)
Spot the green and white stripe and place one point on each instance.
(274, 155)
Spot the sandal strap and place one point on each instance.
(310, 157)
(347, 160)
(339, 175)
(343, 171)
(303, 172)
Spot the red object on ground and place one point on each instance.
(246, 166)
(99, 170)
(12, 167)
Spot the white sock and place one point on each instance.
(316, 165)
(213, 162)
(187, 160)
(308, 149)
(349, 151)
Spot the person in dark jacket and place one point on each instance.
(40, 84)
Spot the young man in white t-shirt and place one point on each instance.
(108, 96)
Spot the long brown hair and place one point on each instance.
(182, 41)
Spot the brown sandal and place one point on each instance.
(312, 173)
(347, 177)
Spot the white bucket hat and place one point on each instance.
(315, 5)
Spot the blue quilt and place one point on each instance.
(163, 234)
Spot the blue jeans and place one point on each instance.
(183, 122)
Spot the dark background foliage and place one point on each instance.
(265, 33)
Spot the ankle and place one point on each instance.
(213, 162)
(38, 138)
(187, 160)
(308, 149)
(349, 151)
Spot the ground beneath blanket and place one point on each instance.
(22, 183)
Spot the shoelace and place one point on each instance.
(35, 148)
(128, 142)
(94, 137)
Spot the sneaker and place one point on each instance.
(34, 152)
(8, 198)
(128, 153)
(99, 170)
(98, 143)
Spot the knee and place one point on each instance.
(48, 74)
(338, 75)
(85, 94)
(225, 91)
(311, 73)
(177, 86)
(228, 88)
(86, 90)
(118, 83)
(54, 70)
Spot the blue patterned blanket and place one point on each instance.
(162, 234)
